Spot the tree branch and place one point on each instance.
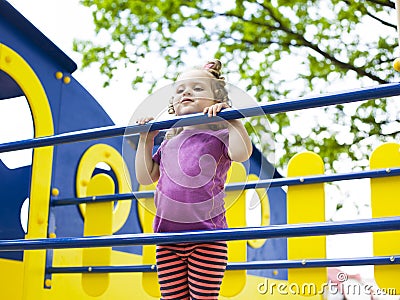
(315, 47)
(384, 3)
(381, 21)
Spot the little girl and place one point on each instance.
(191, 166)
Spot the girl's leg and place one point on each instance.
(207, 264)
(172, 274)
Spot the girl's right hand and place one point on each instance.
(149, 134)
(144, 120)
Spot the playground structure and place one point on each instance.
(79, 245)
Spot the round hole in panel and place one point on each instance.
(16, 119)
(253, 209)
(24, 214)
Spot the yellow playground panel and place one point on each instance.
(305, 205)
(28, 279)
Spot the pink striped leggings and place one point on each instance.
(190, 270)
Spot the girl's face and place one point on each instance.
(193, 92)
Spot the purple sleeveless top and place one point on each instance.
(190, 190)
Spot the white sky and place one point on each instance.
(62, 21)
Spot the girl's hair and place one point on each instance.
(217, 85)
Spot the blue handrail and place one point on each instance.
(248, 233)
(253, 265)
(265, 183)
(381, 91)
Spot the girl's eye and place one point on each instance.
(198, 89)
(179, 90)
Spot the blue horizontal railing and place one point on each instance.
(265, 183)
(381, 91)
(248, 233)
(254, 265)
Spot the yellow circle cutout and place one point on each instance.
(107, 154)
(265, 211)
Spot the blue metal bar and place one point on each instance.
(102, 198)
(378, 173)
(277, 182)
(254, 265)
(381, 91)
(248, 233)
(102, 269)
(316, 263)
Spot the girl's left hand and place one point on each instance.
(215, 108)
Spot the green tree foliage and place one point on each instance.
(280, 49)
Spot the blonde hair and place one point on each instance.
(217, 85)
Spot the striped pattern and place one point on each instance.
(190, 270)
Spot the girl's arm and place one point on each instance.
(240, 146)
(147, 170)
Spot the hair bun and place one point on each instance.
(214, 67)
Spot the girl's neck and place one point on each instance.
(197, 127)
(211, 126)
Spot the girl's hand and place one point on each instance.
(144, 120)
(150, 134)
(215, 108)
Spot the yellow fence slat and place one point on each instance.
(306, 204)
(98, 221)
(385, 202)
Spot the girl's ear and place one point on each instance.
(171, 109)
